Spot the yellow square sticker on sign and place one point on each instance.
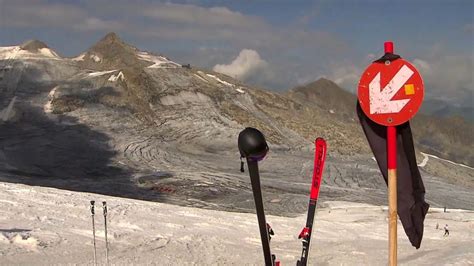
(409, 89)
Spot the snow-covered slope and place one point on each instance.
(158, 61)
(29, 50)
(44, 226)
(120, 121)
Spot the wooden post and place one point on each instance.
(392, 194)
(392, 184)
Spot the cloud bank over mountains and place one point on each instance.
(276, 54)
(247, 64)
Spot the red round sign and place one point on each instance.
(391, 92)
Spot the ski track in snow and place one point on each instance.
(44, 226)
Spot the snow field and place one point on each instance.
(45, 226)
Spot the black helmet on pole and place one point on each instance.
(252, 144)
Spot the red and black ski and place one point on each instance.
(305, 235)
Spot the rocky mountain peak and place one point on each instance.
(111, 37)
(111, 43)
(320, 86)
(33, 45)
(111, 52)
(324, 82)
(327, 95)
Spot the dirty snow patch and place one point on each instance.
(159, 61)
(100, 73)
(425, 160)
(48, 52)
(15, 52)
(220, 80)
(27, 242)
(6, 114)
(95, 58)
(48, 107)
(79, 57)
(114, 78)
(184, 98)
(444, 160)
(201, 78)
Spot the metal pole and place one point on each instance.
(104, 206)
(93, 230)
(262, 223)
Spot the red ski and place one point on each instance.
(305, 235)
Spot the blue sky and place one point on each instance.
(272, 44)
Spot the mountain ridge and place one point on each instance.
(33, 45)
(136, 124)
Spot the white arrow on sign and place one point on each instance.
(381, 100)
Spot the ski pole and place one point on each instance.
(253, 147)
(104, 207)
(93, 230)
(262, 224)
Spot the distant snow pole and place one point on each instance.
(104, 207)
(93, 230)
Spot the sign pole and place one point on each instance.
(390, 92)
(392, 183)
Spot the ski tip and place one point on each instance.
(320, 140)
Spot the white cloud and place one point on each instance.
(293, 53)
(244, 66)
(469, 28)
(346, 76)
(199, 16)
(97, 24)
(38, 14)
(422, 66)
(448, 76)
